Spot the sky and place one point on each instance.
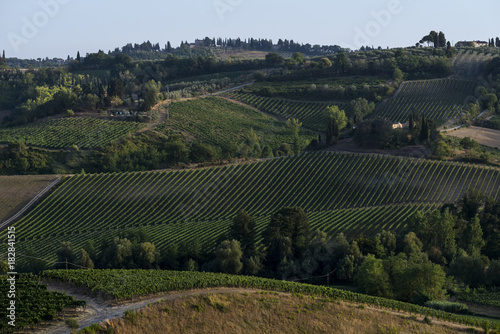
(58, 28)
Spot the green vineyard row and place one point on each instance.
(308, 112)
(86, 133)
(350, 193)
(470, 63)
(436, 99)
(217, 121)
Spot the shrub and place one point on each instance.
(448, 306)
(72, 323)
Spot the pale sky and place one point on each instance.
(58, 28)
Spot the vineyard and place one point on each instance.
(217, 121)
(487, 298)
(309, 113)
(436, 99)
(354, 194)
(34, 303)
(470, 63)
(86, 133)
(121, 284)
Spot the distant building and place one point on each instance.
(397, 126)
(471, 44)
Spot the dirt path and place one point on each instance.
(98, 311)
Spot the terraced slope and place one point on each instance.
(87, 133)
(436, 99)
(347, 193)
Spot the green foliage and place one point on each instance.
(333, 112)
(243, 230)
(72, 323)
(448, 306)
(34, 303)
(287, 235)
(372, 278)
(228, 257)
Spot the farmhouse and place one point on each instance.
(471, 44)
(397, 126)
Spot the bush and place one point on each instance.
(72, 323)
(468, 143)
(202, 152)
(448, 306)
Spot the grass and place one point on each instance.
(16, 191)
(268, 313)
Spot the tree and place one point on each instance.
(424, 279)
(361, 108)
(3, 60)
(169, 47)
(372, 278)
(325, 63)
(338, 115)
(299, 58)
(493, 273)
(65, 255)
(470, 203)
(274, 59)
(243, 230)
(332, 132)
(85, 260)
(286, 235)
(436, 229)
(342, 62)
(397, 75)
(146, 256)
(78, 58)
(150, 91)
(442, 40)
(468, 270)
(201, 152)
(228, 257)
(473, 238)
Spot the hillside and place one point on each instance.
(436, 99)
(16, 191)
(268, 312)
(217, 121)
(348, 193)
(222, 298)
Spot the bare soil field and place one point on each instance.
(483, 136)
(16, 191)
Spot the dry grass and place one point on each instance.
(483, 136)
(16, 191)
(270, 313)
